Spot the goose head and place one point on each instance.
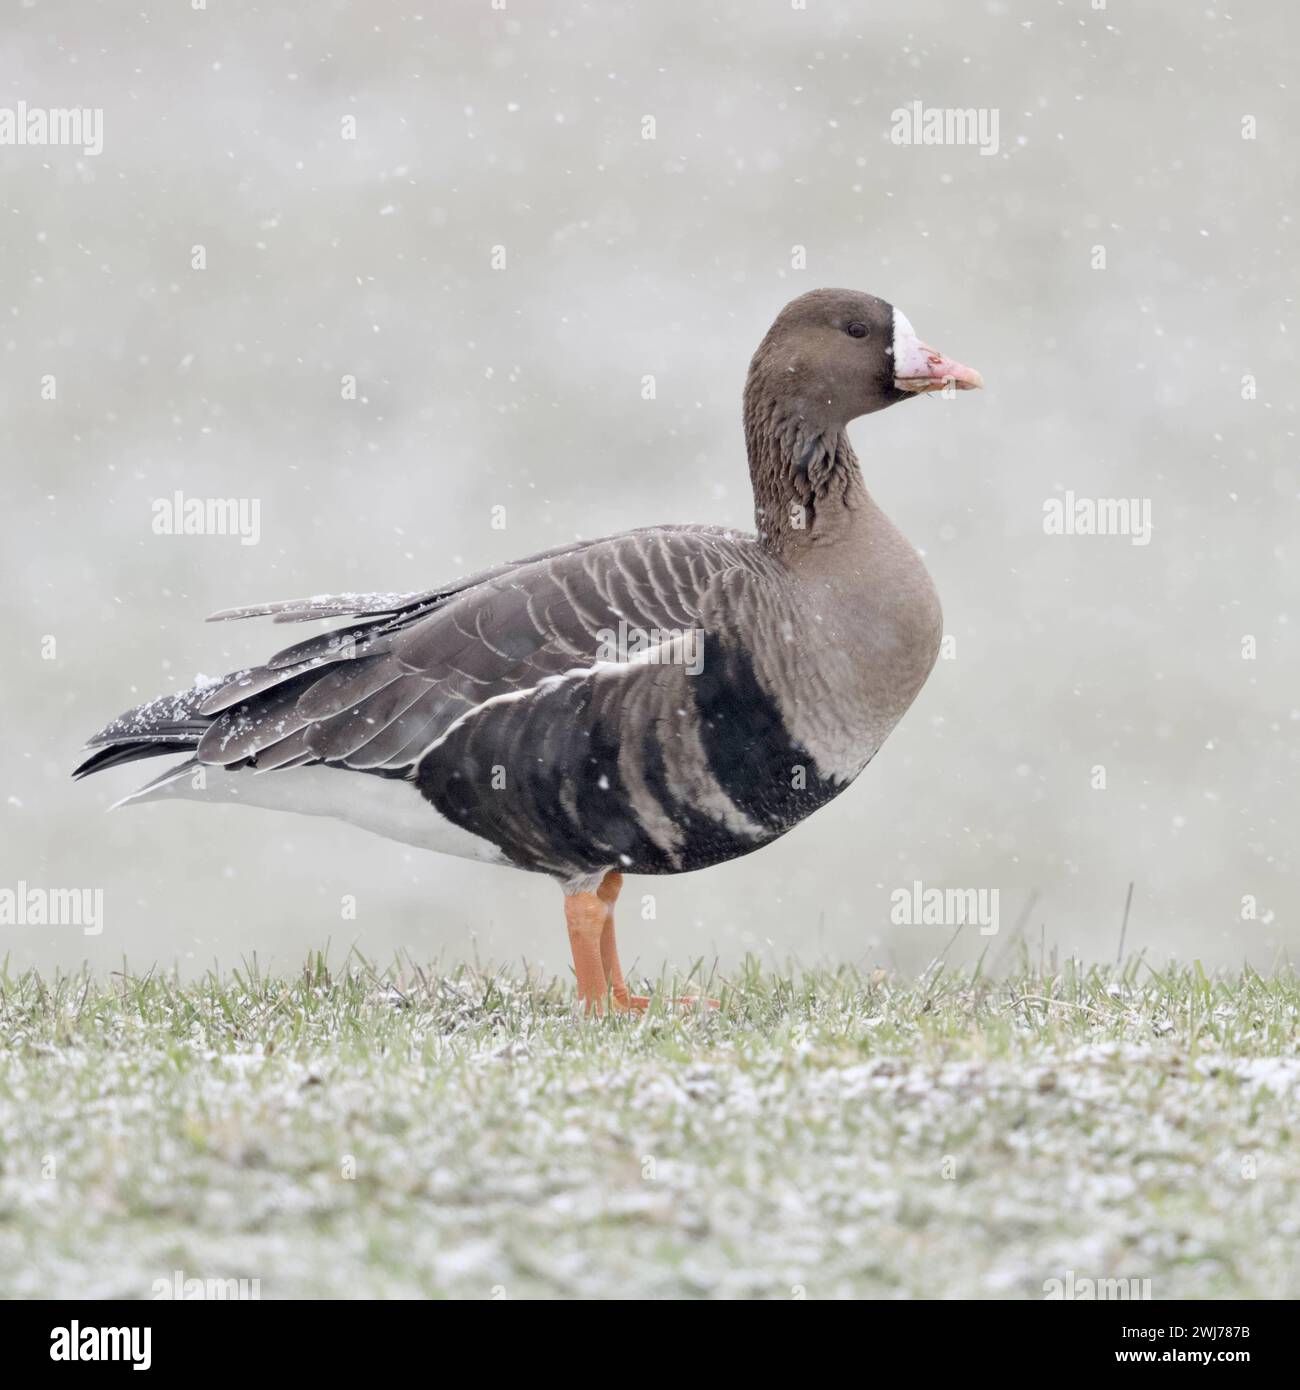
(833, 355)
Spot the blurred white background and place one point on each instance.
(521, 387)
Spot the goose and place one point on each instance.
(653, 702)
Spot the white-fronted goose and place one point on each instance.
(649, 703)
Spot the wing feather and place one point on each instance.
(378, 693)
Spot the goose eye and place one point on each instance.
(856, 330)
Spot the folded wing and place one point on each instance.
(379, 691)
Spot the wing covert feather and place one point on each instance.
(377, 694)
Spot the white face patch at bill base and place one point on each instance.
(911, 356)
(918, 367)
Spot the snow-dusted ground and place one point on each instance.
(826, 1136)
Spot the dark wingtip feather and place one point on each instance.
(120, 753)
(320, 606)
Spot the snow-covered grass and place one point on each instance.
(826, 1134)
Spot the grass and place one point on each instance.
(358, 1133)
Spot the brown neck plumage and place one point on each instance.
(807, 484)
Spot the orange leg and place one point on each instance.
(590, 919)
(608, 894)
(584, 915)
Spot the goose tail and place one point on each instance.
(170, 724)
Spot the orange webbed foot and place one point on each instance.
(590, 919)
